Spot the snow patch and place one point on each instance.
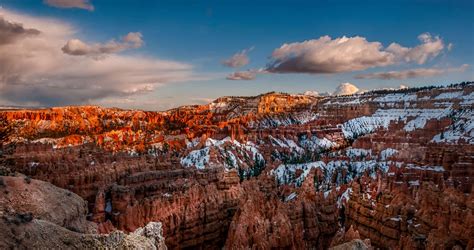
(383, 117)
(344, 197)
(397, 97)
(463, 128)
(197, 158)
(449, 95)
(226, 150)
(388, 152)
(290, 197)
(358, 152)
(315, 143)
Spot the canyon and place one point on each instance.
(380, 169)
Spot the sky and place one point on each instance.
(157, 55)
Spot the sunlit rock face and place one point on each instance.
(387, 168)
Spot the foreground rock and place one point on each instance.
(38, 215)
(352, 245)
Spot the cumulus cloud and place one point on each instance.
(430, 48)
(133, 39)
(80, 4)
(411, 73)
(239, 59)
(77, 47)
(346, 88)
(346, 54)
(35, 70)
(325, 55)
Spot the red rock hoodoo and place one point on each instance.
(383, 169)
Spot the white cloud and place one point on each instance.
(346, 88)
(35, 70)
(239, 59)
(346, 54)
(411, 73)
(430, 48)
(134, 39)
(77, 47)
(80, 4)
(325, 55)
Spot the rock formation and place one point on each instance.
(36, 214)
(389, 168)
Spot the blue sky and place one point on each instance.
(201, 34)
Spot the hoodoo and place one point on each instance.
(391, 168)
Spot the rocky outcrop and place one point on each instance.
(35, 214)
(41, 200)
(153, 232)
(195, 210)
(412, 215)
(343, 236)
(352, 245)
(301, 220)
(42, 234)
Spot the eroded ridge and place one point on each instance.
(381, 169)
